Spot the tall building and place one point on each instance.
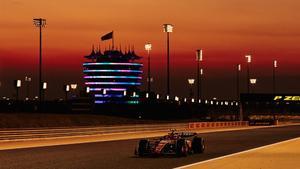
(113, 77)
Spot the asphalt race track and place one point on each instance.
(119, 154)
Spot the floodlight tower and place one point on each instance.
(248, 72)
(199, 59)
(168, 28)
(148, 47)
(238, 70)
(40, 23)
(27, 80)
(191, 83)
(274, 84)
(253, 82)
(200, 83)
(274, 73)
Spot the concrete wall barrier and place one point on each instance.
(198, 125)
(19, 134)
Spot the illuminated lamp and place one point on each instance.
(199, 56)
(73, 86)
(44, 85)
(168, 28)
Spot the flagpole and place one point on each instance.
(113, 43)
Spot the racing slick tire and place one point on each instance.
(198, 145)
(181, 148)
(143, 147)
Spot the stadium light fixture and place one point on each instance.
(168, 28)
(253, 81)
(40, 23)
(191, 81)
(27, 80)
(275, 63)
(199, 56)
(248, 57)
(67, 88)
(239, 67)
(274, 75)
(148, 47)
(18, 83)
(73, 86)
(44, 85)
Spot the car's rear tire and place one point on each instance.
(198, 145)
(181, 148)
(143, 147)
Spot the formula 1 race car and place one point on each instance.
(175, 143)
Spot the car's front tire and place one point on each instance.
(198, 145)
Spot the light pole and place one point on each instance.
(168, 28)
(200, 84)
(253, 82)
(191, 83)
(248, 72)
(199, 58)
(238, 70)
(40, 23)
(274, 85)
(18, 84)
(27, 80)
(67, 90)
(44, 90)
(148, 47)
(274, 73)
(74, 87)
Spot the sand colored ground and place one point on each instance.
(284, 155)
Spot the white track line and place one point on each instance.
(234, 154)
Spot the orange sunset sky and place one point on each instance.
(226, 30)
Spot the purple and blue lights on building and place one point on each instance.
(113, 77)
